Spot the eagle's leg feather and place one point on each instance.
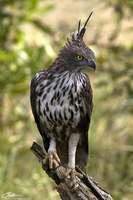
(73, 142)
(51, 155)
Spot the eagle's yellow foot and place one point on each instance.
(73, 173)
(50, 157)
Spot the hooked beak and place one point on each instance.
(92, 64)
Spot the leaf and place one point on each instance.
(42, 27)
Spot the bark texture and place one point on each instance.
(84, 189)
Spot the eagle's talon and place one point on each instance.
(73, 185)
(63, 178)
(73, 173)
(50, 157)
(59, 164)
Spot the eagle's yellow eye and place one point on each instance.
(79, 57)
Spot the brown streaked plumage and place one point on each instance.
(61, 101)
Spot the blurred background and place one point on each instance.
(31, 34)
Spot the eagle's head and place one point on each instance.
(75, 54)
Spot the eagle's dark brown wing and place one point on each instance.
(40, 76)
(88, 99)
(82, 150)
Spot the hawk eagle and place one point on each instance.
(61, 101)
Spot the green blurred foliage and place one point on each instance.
(19, 61)
(111, 132)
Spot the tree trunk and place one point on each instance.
(85, 188)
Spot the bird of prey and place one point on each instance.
(62, 102)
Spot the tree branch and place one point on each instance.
(85, 189)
